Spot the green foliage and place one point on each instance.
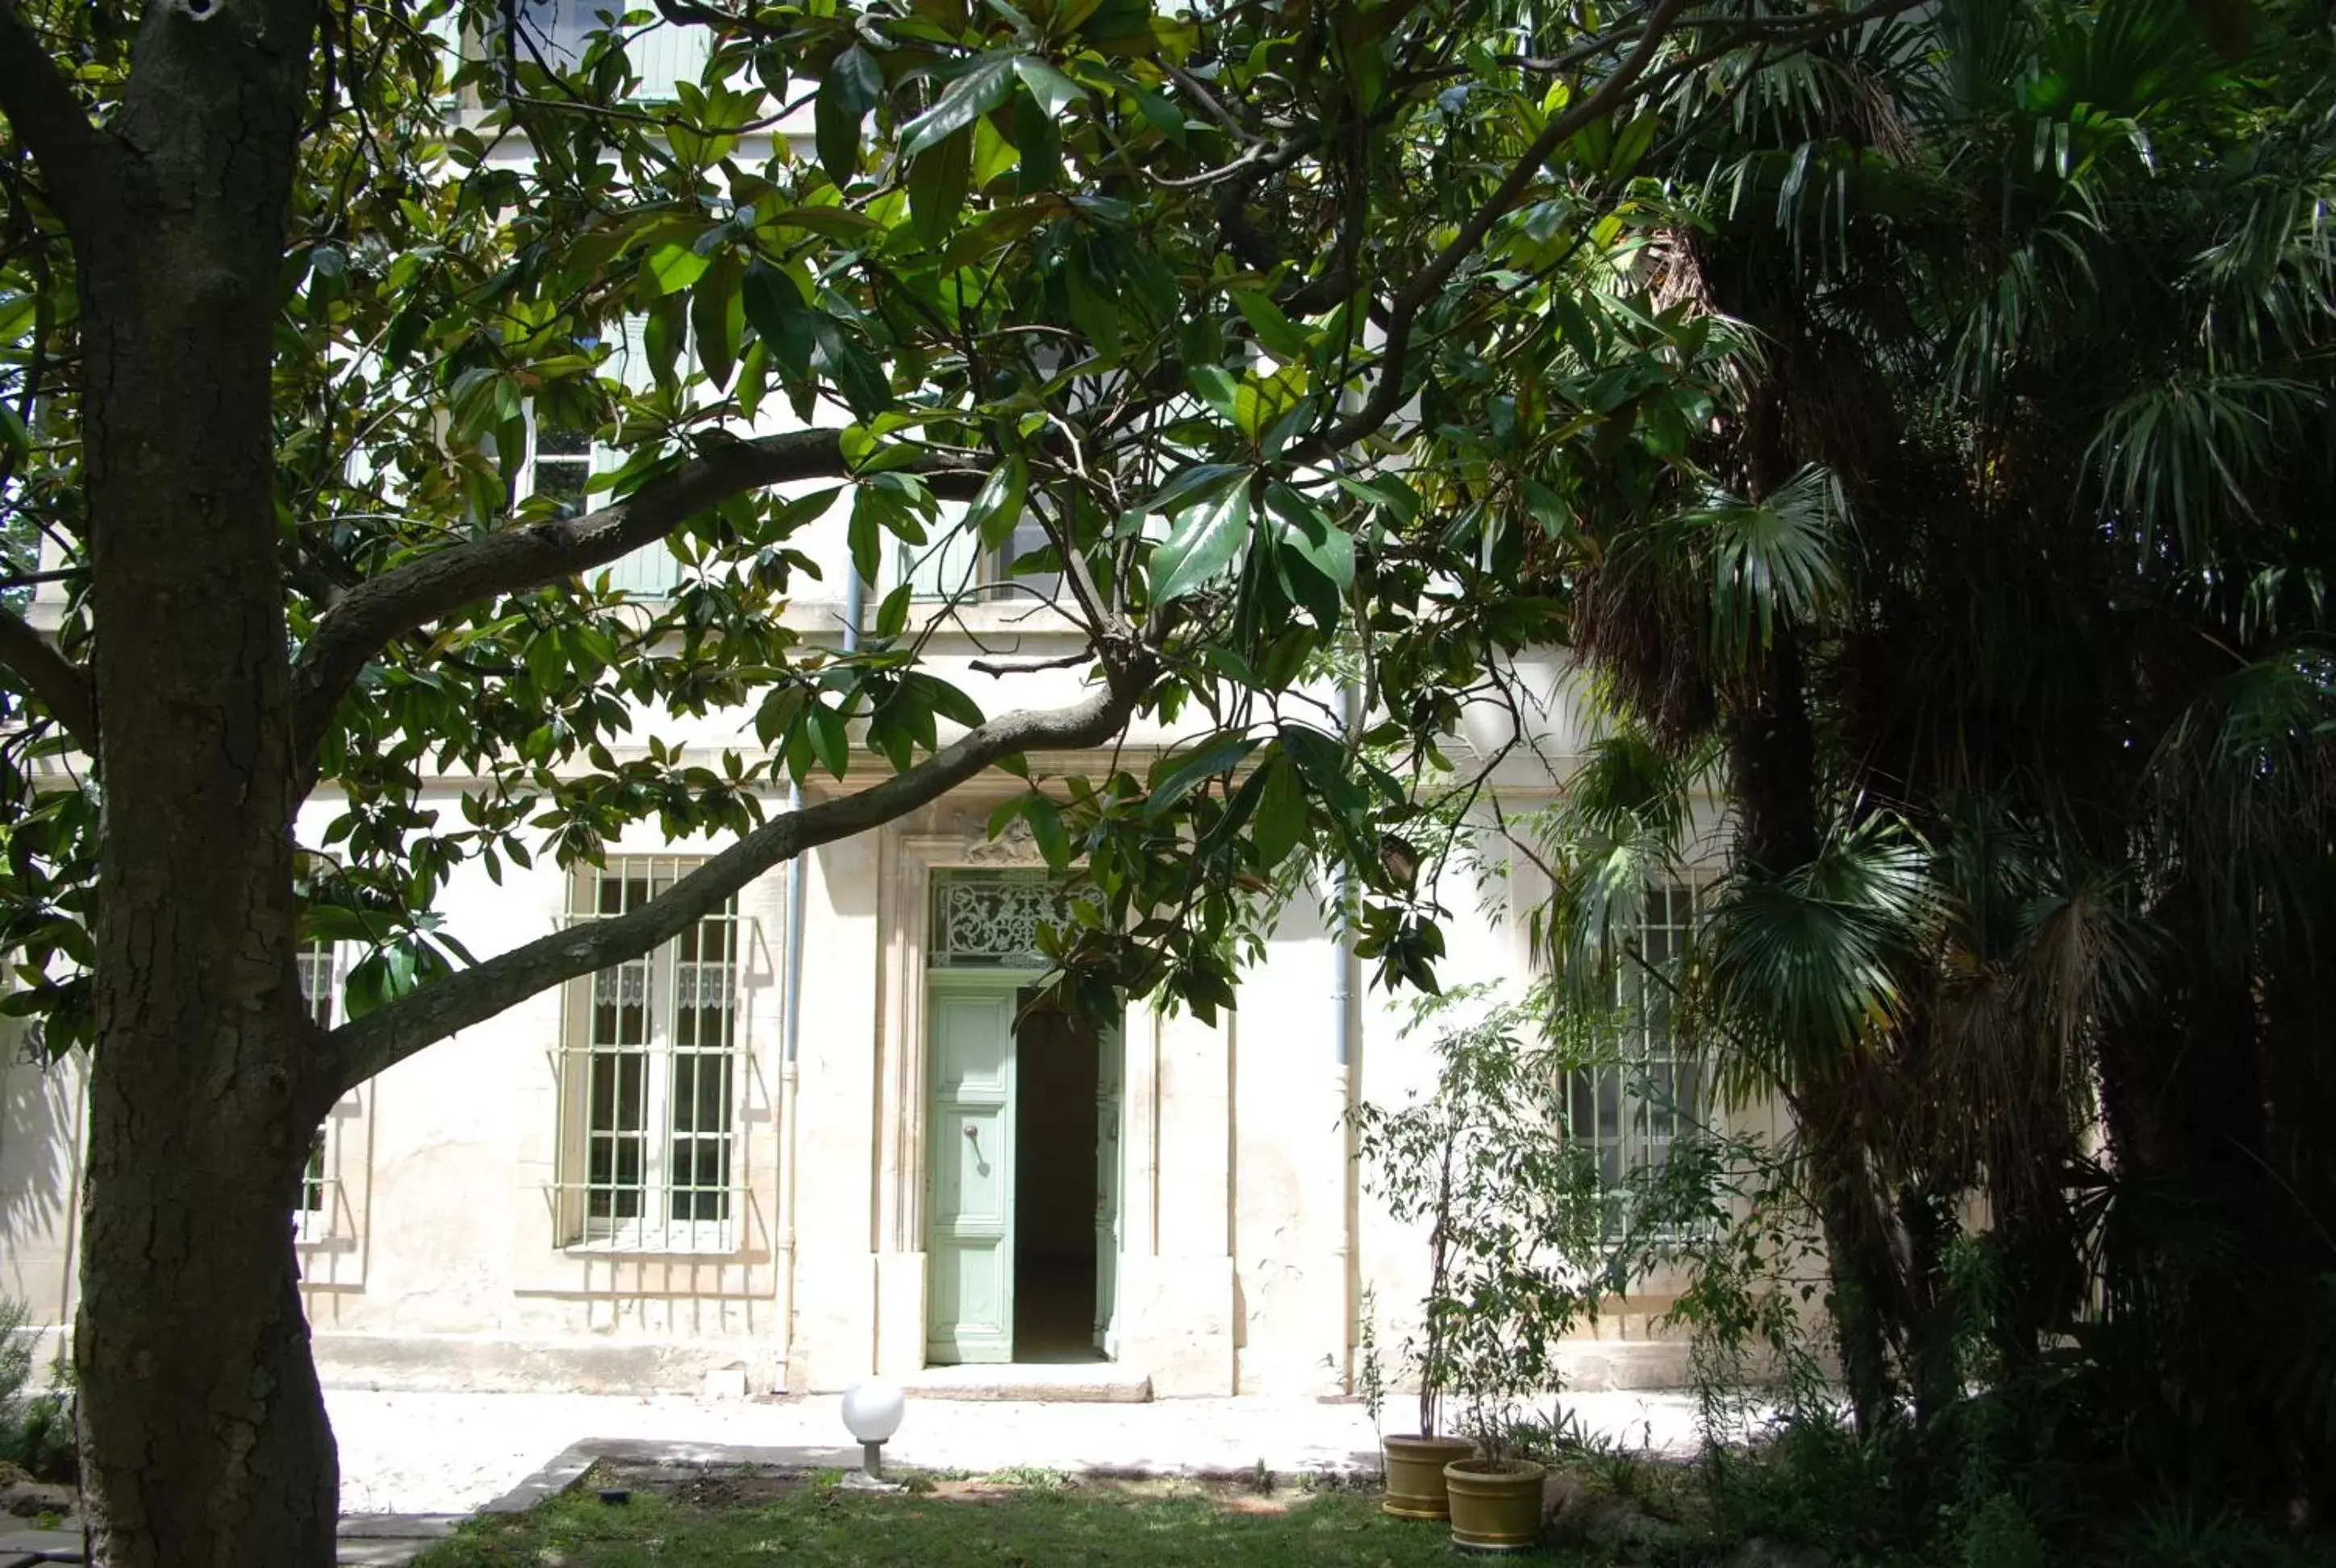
(36, 1430)
(2000, 1535)
(1106, 272)
(1511, 1211)
(2002, 625)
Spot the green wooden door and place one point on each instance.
(1108, 1177)
(969, 1021)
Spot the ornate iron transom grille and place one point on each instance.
(991, 919)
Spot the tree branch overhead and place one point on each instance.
(61, 686)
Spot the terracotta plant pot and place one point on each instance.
(1495, 1504)
(1414, 1473)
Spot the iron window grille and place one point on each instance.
(319, 1201)
(651, 1071)
(991, 919)
(1629, 1112)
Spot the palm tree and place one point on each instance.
(2001, 589)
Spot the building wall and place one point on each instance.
(1247, 1239)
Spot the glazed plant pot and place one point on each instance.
(1495, 1504)
(1414, 1473)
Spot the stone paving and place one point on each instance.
(414, 1452)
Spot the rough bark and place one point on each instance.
(204, 1433)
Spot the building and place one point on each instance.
(818, 1134)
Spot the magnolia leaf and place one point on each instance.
(848, 90)
(1200, 543)
(1281, 814)
(980, 89)
(780, 317)
(1053, 91)
(998, 506)
(1282, 338)
(938, 180)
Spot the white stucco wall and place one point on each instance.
(1246, 1241)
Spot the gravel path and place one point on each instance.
(450, 1453)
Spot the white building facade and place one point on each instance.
(822, 1133)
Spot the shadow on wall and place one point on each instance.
(40, 1166)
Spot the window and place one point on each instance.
(561, 466)
(952, 565)
(557, 33)
(1631, 1112)
(651, 1078)
(312, 1215)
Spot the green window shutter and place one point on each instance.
(663, 54)
(947, 566)
(650, 572)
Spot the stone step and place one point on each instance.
(1054, 1383)
(19, 1546)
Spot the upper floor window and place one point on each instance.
(953, 566)
(1631, 1110)
(559, 467)
(651, 1078)
(559, 34)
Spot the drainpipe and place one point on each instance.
(1342, 1057)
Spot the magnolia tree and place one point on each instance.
(288, 285)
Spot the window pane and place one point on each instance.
(562, 480)
(1029, 538)
(943, 568)
(315, 969)
(659, 1098)
(557, 30)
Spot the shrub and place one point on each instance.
(36, 1430)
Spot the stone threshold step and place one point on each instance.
(1091, 1383)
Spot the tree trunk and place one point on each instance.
(1772, 769)
(204, 1433)
(205, 1436)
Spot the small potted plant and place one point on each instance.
(1482, 1160)
(1414, 1461)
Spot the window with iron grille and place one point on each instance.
(312, 1217)
(1629, 1112)
(651, 1078)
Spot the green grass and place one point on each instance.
(1073, 1524)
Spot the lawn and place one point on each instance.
(1026, 1521)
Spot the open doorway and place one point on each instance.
(1056, 1083)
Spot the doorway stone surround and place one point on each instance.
(1175, 1289)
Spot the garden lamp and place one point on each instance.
(872, 1408)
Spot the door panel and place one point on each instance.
(971, 1164)
(1108, 1179)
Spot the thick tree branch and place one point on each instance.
(72, 151)
(357, 1050)
(436, 585)
(61, 686)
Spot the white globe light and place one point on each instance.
(872, 1408)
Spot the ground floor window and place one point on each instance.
(650, 1079)
(1629, 1111)
(314, 1209)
